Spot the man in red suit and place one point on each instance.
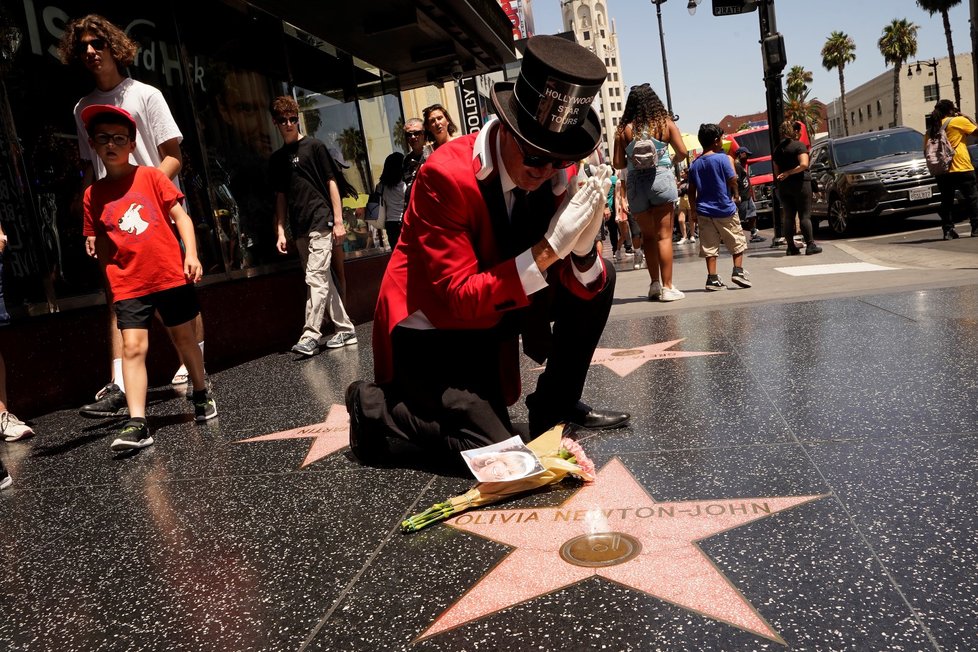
(495, 248)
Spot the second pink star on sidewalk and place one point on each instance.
(328, 436)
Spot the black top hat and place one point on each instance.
(549, 106)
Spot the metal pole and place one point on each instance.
(937, 83)
(665, 64)
(775, 101)
(974, 49)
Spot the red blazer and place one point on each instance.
(447, 263)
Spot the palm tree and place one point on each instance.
(354, 150)
(932, 7)
(798, 80)
(898, 43)
(839, 49)
(797, 106)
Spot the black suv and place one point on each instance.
(871, 174)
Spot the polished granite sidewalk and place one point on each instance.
(796, 476)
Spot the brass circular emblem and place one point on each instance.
(627, 353)
(600, 549)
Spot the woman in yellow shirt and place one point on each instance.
(961, 175)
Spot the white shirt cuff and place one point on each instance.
(592, 274)
(531, 277)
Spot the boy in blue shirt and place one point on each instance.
(713, 197)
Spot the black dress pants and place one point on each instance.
(447, 392)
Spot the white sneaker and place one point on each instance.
(181, 377)
(12, 428)
(655, 289)
(639, 260)
(617, 256)
(671, 294)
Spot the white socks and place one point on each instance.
(117, 373)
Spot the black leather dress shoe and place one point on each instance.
(594, 419)
(367, 445)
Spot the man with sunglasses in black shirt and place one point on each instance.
(494, 249)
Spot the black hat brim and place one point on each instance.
(572, 144)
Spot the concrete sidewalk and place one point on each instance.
(918, 260)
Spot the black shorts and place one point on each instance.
(176, 306)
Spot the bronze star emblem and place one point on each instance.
(328, 436)
(614, 530)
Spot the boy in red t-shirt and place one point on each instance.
(127, 227)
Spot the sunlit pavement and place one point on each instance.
(799, 473)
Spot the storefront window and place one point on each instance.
(219, 91)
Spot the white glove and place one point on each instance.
(585, 242)
(566, 226)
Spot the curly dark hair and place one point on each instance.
(942, 109)
(122, 48)
(644, 109)
(282, 105)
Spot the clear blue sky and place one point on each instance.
(715, 62)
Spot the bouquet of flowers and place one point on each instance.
(560, 457)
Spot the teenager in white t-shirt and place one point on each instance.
(104, 50)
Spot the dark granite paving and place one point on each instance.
(868, 405)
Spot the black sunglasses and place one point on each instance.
(536, 161)
(413, 134)
(97, 43)
(291, 120)
(119, 140)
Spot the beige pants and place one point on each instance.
(315, 251)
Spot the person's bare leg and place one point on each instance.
(657, 238)
(115, 346)
(665, 245)
(682, 224)
(185, 340)
(738, 261)
(135, 344)
(198, 329)
(711, 265)
(647, 225)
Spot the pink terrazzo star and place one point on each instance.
(328, 436)
(625, 361)
(637, 542)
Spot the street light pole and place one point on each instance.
(932, 64)
(665, 63)
(775, 99)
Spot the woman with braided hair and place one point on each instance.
(641, 147)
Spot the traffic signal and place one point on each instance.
(775, 58)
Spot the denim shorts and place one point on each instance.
(648, 188)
